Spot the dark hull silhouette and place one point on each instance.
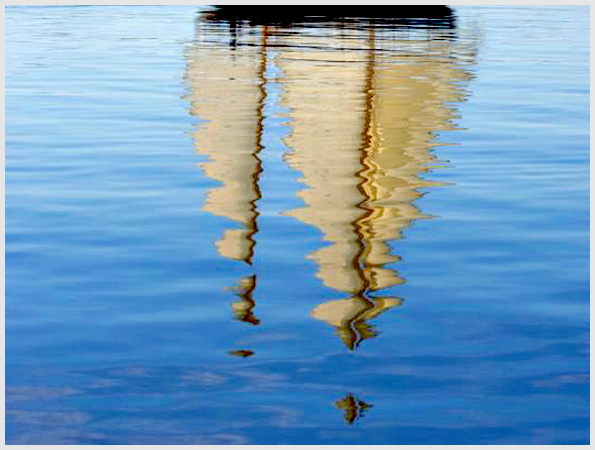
(434, 16)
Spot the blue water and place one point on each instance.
(309, 234)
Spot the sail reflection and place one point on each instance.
(364, 108)
(227, 90)
(365, 98)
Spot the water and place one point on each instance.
(324, 233)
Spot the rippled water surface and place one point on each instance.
(233, 231)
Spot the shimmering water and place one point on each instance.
(332, 232)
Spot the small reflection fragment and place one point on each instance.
(242, 309)
(349, 317)
(241, 353)
(353, 407)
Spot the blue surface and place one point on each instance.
(118, 320)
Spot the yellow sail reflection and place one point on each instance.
(227, 89)
(363, 113)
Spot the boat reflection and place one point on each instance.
(365, 98)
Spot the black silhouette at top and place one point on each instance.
(289, 15)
